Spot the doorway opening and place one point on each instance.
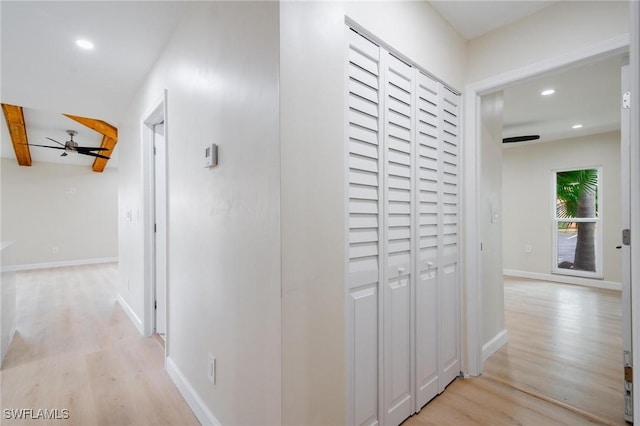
(548, 319)
(154, 148)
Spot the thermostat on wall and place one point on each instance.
(211, 155)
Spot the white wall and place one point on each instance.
(527, 198)
(7, 298)
(220, 70)
(66, 206)
(312, 117)
(559, 29)
(490, 227)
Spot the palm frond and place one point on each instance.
(569, 186)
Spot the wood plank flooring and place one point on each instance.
(75, 349)
(479, 401)
(562, 365)
(565, 342)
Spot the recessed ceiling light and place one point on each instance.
(84, 44)
(548, 92)
(576, 126)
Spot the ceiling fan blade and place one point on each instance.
(93, 154)
(89, 148)
(521, 138)
(59, 143)
(43, 146)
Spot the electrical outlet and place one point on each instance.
(211, 369)
(55, 249)
(527, 248)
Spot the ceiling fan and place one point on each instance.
(521, 139)
(71, 145)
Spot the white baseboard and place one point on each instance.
(565, 279)
(30, 266)
(493, 345)
(197, 405)
(137, 322)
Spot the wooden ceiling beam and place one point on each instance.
(109, 138)
(100, 163)
(99, 126)
(14, 116)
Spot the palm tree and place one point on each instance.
(577, 193)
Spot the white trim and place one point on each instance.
(60, 264)
(470, 211)
(595, 52)
(493, 345)
(634, 62)
(471, 189)
(197, 405)
(349, 323)
(565, 279)
(135, 319)
(153, 115)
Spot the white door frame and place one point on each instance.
(472, 282)
(155, 114)
(634, 171)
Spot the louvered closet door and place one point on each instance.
(450, 231)
(398, 235)
(364, 204)
(428, 138)
(402, 283)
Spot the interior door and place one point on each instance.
(428, 231)
(402, 290)
(449, 275)
(160, 212)
(398, 288)
(625, 247)
(364, 206)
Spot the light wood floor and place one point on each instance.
(565, 342)
(565, 346)
(76, 349)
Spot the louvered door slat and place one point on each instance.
(427, 309)
(449, 258)
(398, 126)
(363, 228)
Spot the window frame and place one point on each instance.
(598, 274)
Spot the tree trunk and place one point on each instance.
(585, 255)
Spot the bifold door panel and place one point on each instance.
(365, 240)
(402, 285)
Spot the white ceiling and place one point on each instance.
(43, 69)
(474, 18)
(589, 95)
(45, 72)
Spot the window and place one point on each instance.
(577, 233)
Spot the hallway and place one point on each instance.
(76, 350)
